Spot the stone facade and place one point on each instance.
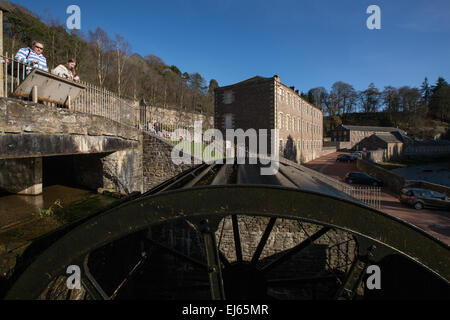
(300, 125)
(266, 103)
(355, 134)
(386, 141)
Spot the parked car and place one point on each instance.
(346, 158)
(423, 198)
(358, 154)
(362, 178)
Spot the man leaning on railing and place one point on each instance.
(33, 57)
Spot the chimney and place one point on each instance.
(293, 88)
(297, 92)
(277, 78)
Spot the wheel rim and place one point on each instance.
(206, 207)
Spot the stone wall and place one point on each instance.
(157, 163)
(33, 130)
(332, 253)
(173, 116)
(123, 171)
(103, 152)
(285, 235)
(416, 151)
(21, 176)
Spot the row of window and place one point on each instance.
(301, 126)
(298, 103)
(304, 145)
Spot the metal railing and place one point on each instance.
(93, 100)
(101, 102)
(11, 74)
(368, 195)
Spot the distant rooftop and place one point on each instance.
(387, 137)
(374, 129)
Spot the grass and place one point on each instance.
(51, 210)
(190, 146)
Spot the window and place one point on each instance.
(280, 121)
(288, 98)
(298, 125)
(281, 94)
(281, 145)
(288, 120)
(228, 121)
(228, 97)
(293, 124)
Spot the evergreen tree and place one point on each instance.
(425, 90)
(440, 100)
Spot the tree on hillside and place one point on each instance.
(425, 91)
(318, 96)
(409, 99)
(440, 100)
(343, 97)
(197, 85)
(213, 84)
(121, 53)
(102, 46)
(370, 99)
(390, 99)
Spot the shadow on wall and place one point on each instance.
(290, 150)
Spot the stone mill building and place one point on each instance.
(266, 103)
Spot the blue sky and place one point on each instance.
(308, 43)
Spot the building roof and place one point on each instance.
(403, 137)
(248, 81)
(370, 128)
(387, 137)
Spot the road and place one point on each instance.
(435, 222)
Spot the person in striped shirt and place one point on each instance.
(33, 56)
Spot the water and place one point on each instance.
(25, 218)
(16, 209)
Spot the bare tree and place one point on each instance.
(102, 46)
(319, 97)
(122, 52)
(343, 97)
(370, 99)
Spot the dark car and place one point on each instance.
(362, 178)
(423, 198)
(346, 158)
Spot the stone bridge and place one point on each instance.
(40, 145)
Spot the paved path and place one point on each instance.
(436, 223)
